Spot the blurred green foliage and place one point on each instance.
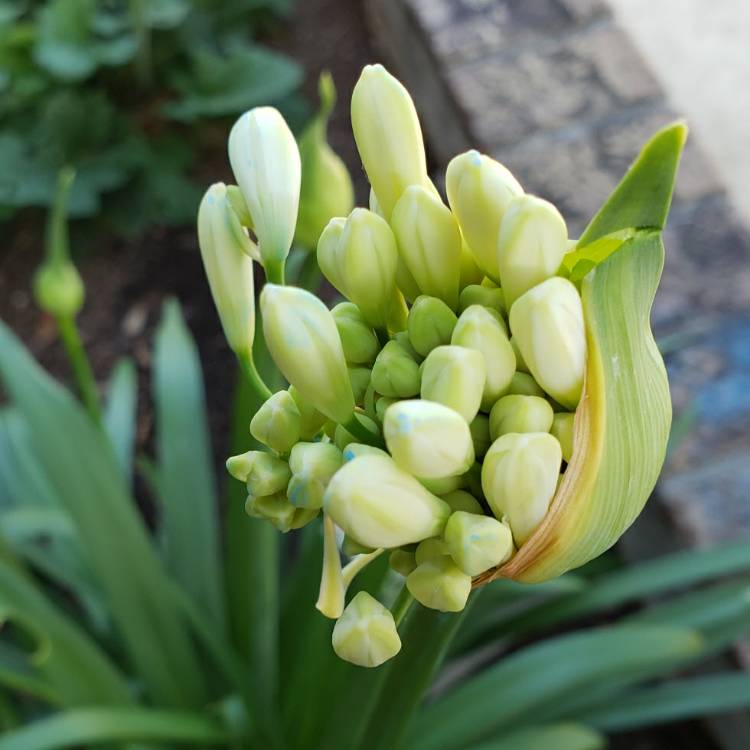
(123, 90)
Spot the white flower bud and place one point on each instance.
(454, 376)
(277, 422)
(264, 473)
(312, 466)
(517, 413)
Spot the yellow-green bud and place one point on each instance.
(480, 434)
(380, 505)
(522, 384)
(312, 466)
(517, 413)
(342, 436)
(366, 634)
(330, 255)
(442, 485)
(326, 189)
(311, 420)
(397, 312)
(58, 288)
(264, 473)
(395, 373)
(520, 364)
(440, 584)
(358, 340)
(479, 329)
(471, 273)
(353, 450)
(369, 256)
(277, 422)
(431, 323)
(477, 543)
(533, 240)
(274, 508)
(454, 376)
(388, 136)
(266, 163)
(225, 251)
(305, 345)
(402, 339)
(360, 380)
(562, 429)
(428, 439)
(519, 478)
(463, 501)
(402, 561)
(547, 323)
(476, 294)
(479, 191)
(381, 405)
(430, 549)
(429, 241)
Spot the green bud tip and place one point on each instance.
(477, 543)
(277, 422)
(516, 413)
(430, 324)
(440, 584)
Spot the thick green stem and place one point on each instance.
(274, 271)
(255, 381)
(402, 605)
(80, 365)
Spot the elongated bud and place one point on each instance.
(431, 323)
(547, 323)
(520, 414)
(312, 466)
(366, 633)
(264, 473)
(479, 329)
(277, 422)
(454, 376)
(395, 373)
(389, 139)
(311, 420)
(479, 191)
(519, 478)
(380, 505)
(429, 241)
(266, 163)
(358, 340)
(332, 587)
(305, 345)
(326, 189)
(428, 439)
(225, 249)
(359, 377)
(430, 549)
(477, 543)
(330, 254)
(533, 240)
(476, 294)
(58, 288)
(522, 384)
(480, 434)
(440, 584)
(460, 500)
(403, 561)
(369, 256)
(562, 429)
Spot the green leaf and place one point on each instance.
(186, 481)
(672, 701)
(554, 737)
(643, 196)
(520, 688)
(224, 84)
(84, 470)
(100, 725)
(120, 414)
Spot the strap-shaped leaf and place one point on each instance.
(557, 736)
(120, 413)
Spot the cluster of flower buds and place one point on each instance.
(433, 415)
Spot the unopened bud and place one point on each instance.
(460, 500)
(380, 505)
(395, 373)
(547, 323)
(275, 509)
(225, 251)
(381, 406)
(454, 376)
(431, 323)
(523, 384)
(360, 380)
(429, 242)
(264, 473)
(389, 138)
(312, 466)
(480, 434)
(266, 163)
(477, 543)
(305, 345)
(402, 561)
(476, 294)
(443, 485)
(479, 329)
(430, 549)
(479, 191)
(533, 240)
(330, 255)
(403, 340)
(520, 364)
(428, 439)
(516, 413)
(358, 340)
(440, 584)
(58, 288)
(366, 634)
(277, 422)
(471, 273)
(311, 420)
(562, 429)
(519, 478)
